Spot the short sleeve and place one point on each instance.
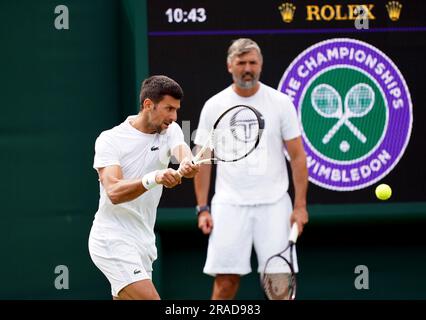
(290, 127)
(106, 153)
(204, 127)
(175, 136)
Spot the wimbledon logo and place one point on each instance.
(355, 110)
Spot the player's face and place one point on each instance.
(164, 113)
(246, 69)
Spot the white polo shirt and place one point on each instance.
(262, 176)
(137, 153)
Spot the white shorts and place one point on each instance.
(119, 258)
(237, 228)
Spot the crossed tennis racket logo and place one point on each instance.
(327, 102)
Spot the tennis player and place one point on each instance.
(131, 160)
(250, 205)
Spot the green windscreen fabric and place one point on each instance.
(59, 90)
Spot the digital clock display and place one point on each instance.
(179, 15)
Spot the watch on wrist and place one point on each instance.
(200, 209)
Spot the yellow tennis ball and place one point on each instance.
(383, 191)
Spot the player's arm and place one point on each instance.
(121, 190)
(183, 155)
(300, 181)
(201, 186)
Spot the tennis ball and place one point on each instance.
(383, 191)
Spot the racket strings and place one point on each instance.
(279, 286)
(326, 100)
(279, 279)
(236, 134)
(360, 99)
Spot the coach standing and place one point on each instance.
(251, 205)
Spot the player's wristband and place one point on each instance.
(148, 180)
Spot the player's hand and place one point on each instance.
(168, 178)
(299, 216)
(205, 222)
(187, 169)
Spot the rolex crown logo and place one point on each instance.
(287, 11)
(394, 10)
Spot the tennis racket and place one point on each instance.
(279, 277)
(235, 134)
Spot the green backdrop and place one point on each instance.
(59, 89)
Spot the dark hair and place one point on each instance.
(156, 87)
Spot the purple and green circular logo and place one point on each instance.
(355, 111)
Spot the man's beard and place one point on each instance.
(241, 83)
(160, 130)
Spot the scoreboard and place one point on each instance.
(368, 56)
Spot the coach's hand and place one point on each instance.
(205, 222)
(168, 178)
(299, 216)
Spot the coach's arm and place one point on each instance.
(201, 186)
(300, 181)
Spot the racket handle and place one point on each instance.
(179, 173)
(193, 162)
(179, 169)
(294, 233)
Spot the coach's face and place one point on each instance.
(163, 113)
(246, 69)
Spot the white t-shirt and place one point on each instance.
(137, 153)
(262, 176)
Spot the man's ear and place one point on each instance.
(147, 104)
(229, 67)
